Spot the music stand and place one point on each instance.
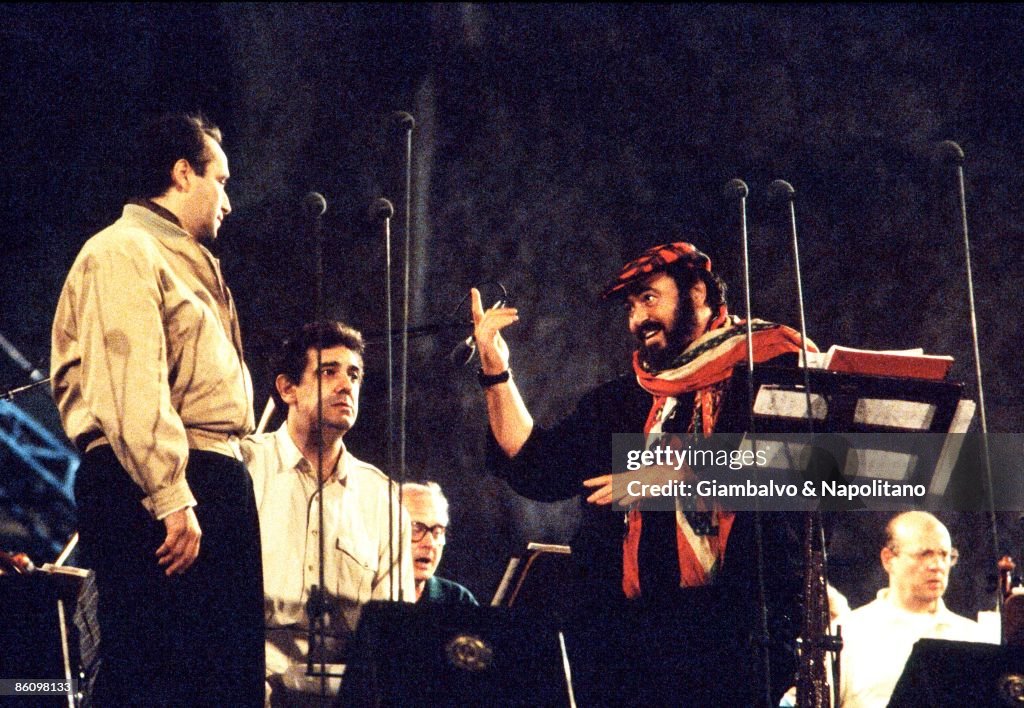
(942, 673)
(430, 654)
(862, 409)
(534, 562)
(38, 634)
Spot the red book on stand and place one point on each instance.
(910, 363)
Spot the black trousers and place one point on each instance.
(194, 639)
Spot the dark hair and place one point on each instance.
(292, 358)
(165, 140)
(685, 276)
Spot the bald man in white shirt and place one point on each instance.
(878, 637)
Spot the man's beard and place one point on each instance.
(677, 338)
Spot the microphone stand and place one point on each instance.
(316, 605)
(737, 189)
(952, 154)
(407, 123)
(817, 639)
(383, 209)
(781, 189)
(9, 394)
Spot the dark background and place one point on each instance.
(552, 143)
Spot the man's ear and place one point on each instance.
(887, 556)
(181, 174)
(285, 389)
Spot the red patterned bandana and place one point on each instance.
(701, 368)
(653, 260)
(711, 357)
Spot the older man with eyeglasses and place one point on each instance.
(878, 637)
(428, 511)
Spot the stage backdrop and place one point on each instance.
(551, 144)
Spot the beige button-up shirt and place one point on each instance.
(361, 557)
(147, 354)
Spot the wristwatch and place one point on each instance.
(488, 380)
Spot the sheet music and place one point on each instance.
(506, 582)
(951, 447)
(912, 415)
(786, 403)
(518, 567)
(881, 409)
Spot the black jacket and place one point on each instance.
(701, 641)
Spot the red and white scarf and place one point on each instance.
(701, 369)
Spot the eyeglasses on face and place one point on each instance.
(927, 555)
(420, 530)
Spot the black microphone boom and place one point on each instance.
(812, 681)
(406, 122)
(737, 189)
(781, 190)
(383, 209)
(314, 205)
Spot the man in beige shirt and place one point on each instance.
(150, 382)
(365, 539)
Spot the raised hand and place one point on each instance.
(487, 326)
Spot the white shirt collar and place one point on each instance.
(292, 459)
(939, 612)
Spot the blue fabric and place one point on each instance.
(447, 592)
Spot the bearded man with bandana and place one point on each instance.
(672, 599)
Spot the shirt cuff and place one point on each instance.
(168, 500)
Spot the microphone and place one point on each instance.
(464, 351)
(781, 190)
(403, 120)
(33, 373)
(949, 153)
(314, 205)
(735, 189)
(381, 209)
